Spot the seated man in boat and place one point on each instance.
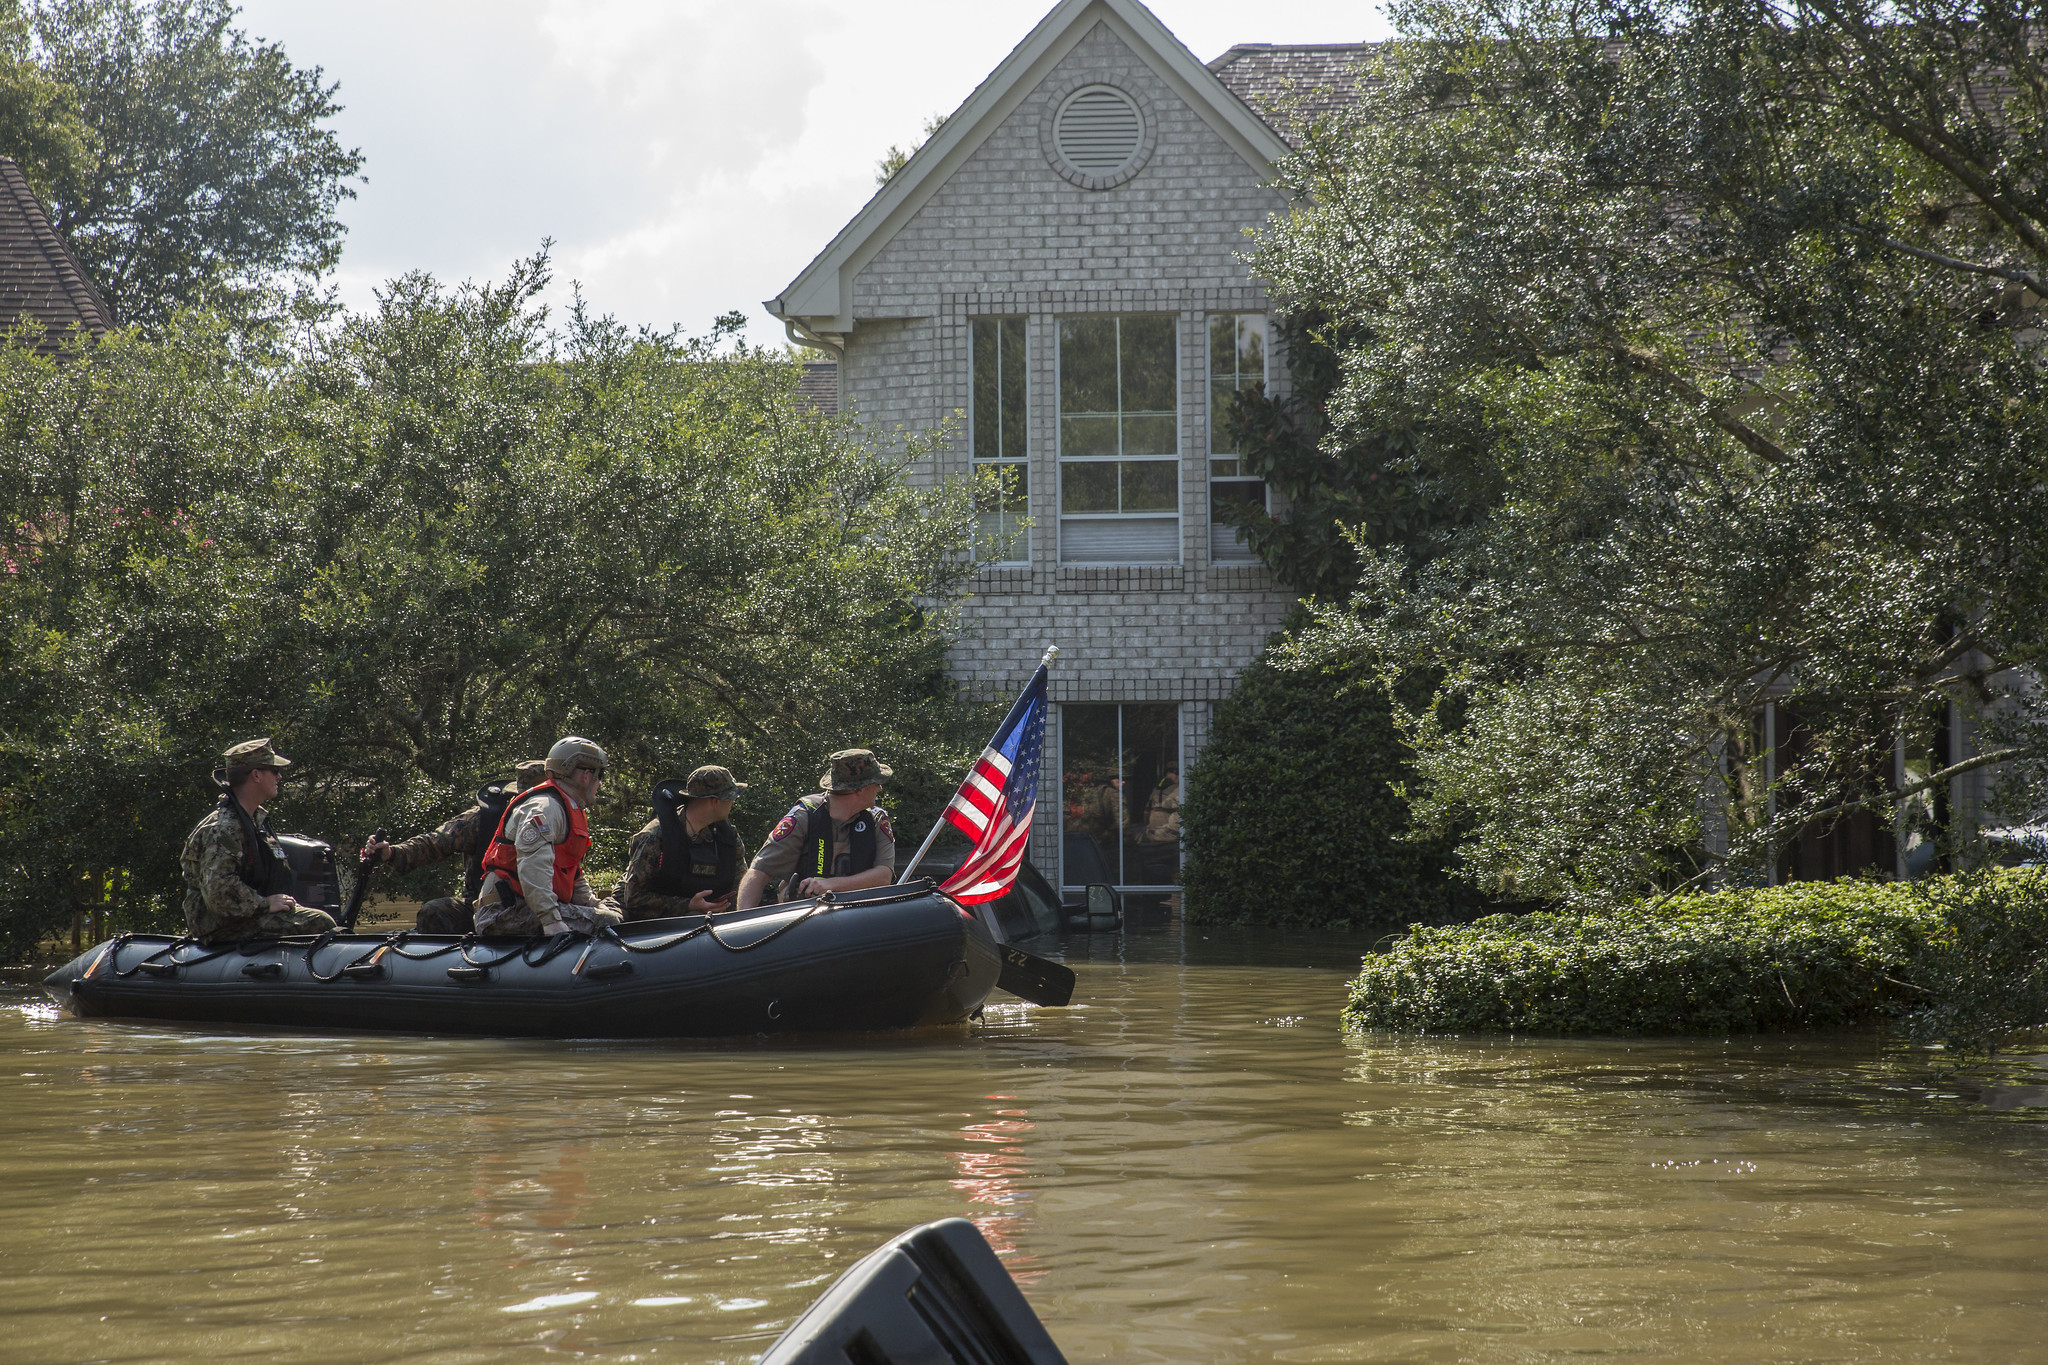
(834, 840)
(237, 882)
(533, 870)
(687, 859)
(464, 836)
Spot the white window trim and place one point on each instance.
(1059, 831)
(1209, 430)
(1022, 549)
(1178, 459)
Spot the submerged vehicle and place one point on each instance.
(892, 957)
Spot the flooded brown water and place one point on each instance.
(1195, 1165)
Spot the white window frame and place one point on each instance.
(1061, 459)
(1020, 551)
(1180, 728)
(1240, 554)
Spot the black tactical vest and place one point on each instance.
(263, 867)
(678, 874)
(817, 850)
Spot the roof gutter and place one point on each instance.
(832, 343)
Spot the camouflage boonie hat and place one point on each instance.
(254, 753)
(529, 772)
(853, 769)
(713, 783)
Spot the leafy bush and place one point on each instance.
(1964, 962)
(1291, 815)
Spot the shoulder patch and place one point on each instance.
(785, 829)
(882, 822)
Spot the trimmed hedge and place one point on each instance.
(1960, 960)
(1290, 815)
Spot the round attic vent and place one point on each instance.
(1099, 137)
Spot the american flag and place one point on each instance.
(993, 806)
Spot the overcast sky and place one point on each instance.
(686, 157)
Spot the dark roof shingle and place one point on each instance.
(39, 276)
(1289, 85)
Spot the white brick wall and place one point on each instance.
(1008, 235)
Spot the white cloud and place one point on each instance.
(687, 157)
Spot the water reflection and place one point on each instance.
(1193, 1165)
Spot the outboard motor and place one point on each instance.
(315, 883)
(937, 1295)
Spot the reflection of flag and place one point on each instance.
(993, 806)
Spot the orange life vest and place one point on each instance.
(502, 858)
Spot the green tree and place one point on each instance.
(1727, 316)
(185, 162)
(40, 123)
(425, 542)
(896, 157)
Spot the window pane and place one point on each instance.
(1012, 337)
(1151, 793)
(1251, 349)
(1150, 433)
(1151, 486)
(1001, 503)
(1088, 435)
(1223, 348)
(1088, 487)
(1087, 365)
(1148, 363)
(1091, 814)
(987, 409)
(1222, 393)
(1223, 469)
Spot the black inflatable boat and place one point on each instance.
(890, 958)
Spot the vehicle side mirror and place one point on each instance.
(1105, 909)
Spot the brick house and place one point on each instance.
(1059, 266)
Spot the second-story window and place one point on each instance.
(1119, 431)
(1002, 498)
(1237, 361)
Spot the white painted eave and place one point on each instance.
(820, 299)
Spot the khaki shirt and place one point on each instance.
(785, 845)
(536, 827)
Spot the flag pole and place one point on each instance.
(1051, 652)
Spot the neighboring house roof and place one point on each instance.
(1289, 85)
(819, 387)
(820, 300)
(39, 276)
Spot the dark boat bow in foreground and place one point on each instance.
(891, 958)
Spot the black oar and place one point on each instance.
(364, 866)
(1037, 979)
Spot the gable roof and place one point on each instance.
(40, 278)
(820, 300)
(1288, 85)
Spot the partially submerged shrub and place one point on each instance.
(1291, 812)
(1964, 961)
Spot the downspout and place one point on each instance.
(804, 336)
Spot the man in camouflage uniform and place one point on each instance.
(237, 882)
(687, 860)
(465, 836)
(837, 839)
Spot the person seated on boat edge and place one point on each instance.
(533, 871)
(464, 836)
(834, 840)
(237, 882)
(687, 859)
